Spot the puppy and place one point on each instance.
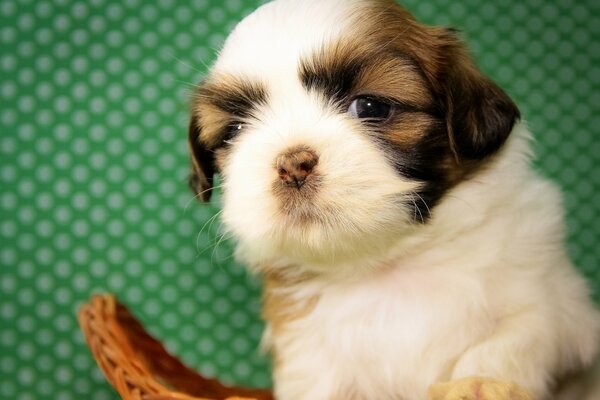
(380, 184)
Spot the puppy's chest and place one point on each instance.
(396, 324)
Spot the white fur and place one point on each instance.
(483, 288)
(479, 287)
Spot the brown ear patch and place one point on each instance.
(218, 104)
(480, 116)
(224, 100)
(202, 163)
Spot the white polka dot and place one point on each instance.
(97, 24)
(26, 214)
(116, 281)
(9, 144)
(9, 284)
(171, 320)
(185, 255)
(206, 346)
(169, 268)
(26, 104)
(152, 307)
(81, 256)
(8, 229)
(9, 175)
(97, 51)
(79, 10)
(63, 296)
(44, 228)
(115, 201)
(8, 61)
(98, 241)
(81, 281)
(8, 89)
(64, 395)
(221, 306)
(151, 201)
(45, 387)
(115, 174)
(62, 23)
(8, 389)
(150, 174)
(26, 160)
(188, 307)
(8, 256)
(26, 376)
(114, 12)
(80, 201)
(8, 8)
(63, 269)
(26, 324)
(63, 375)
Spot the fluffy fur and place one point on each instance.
(420, 247)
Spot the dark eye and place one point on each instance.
(233, 129)
(366, 107)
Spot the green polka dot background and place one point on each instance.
(93, 157)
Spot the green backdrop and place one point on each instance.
(94, 162)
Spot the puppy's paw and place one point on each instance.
(477, 388)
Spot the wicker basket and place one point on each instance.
(138, 366)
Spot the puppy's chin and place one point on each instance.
(317, 241)
(350, 206)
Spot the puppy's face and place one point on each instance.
(337, 126)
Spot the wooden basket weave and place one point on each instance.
(138, 366)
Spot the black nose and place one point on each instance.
(295, 166)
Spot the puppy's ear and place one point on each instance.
(479, 115)
(201, 175)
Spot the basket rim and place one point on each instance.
(138, 366)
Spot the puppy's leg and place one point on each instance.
(477, 388)
(315, 387)
(307, 377)
(520, 351)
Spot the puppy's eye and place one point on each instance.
(233, 129)
(366, 107)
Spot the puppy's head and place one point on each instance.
(337, 126)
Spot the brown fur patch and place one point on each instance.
(219, 103)
(447, 118)
(346, 69)
(202, 163)
(478, 114)
(280, 308)
(223, 100)
(221, 157)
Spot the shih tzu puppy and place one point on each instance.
(380, 184)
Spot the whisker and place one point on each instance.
(198, 195)
(425, 203)
(209, 222)
(186, 83)
(221, 238)
(189, 65)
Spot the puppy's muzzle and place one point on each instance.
(296, 165)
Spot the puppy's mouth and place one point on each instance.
(297, 183)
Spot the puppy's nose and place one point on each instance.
(296, 165)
